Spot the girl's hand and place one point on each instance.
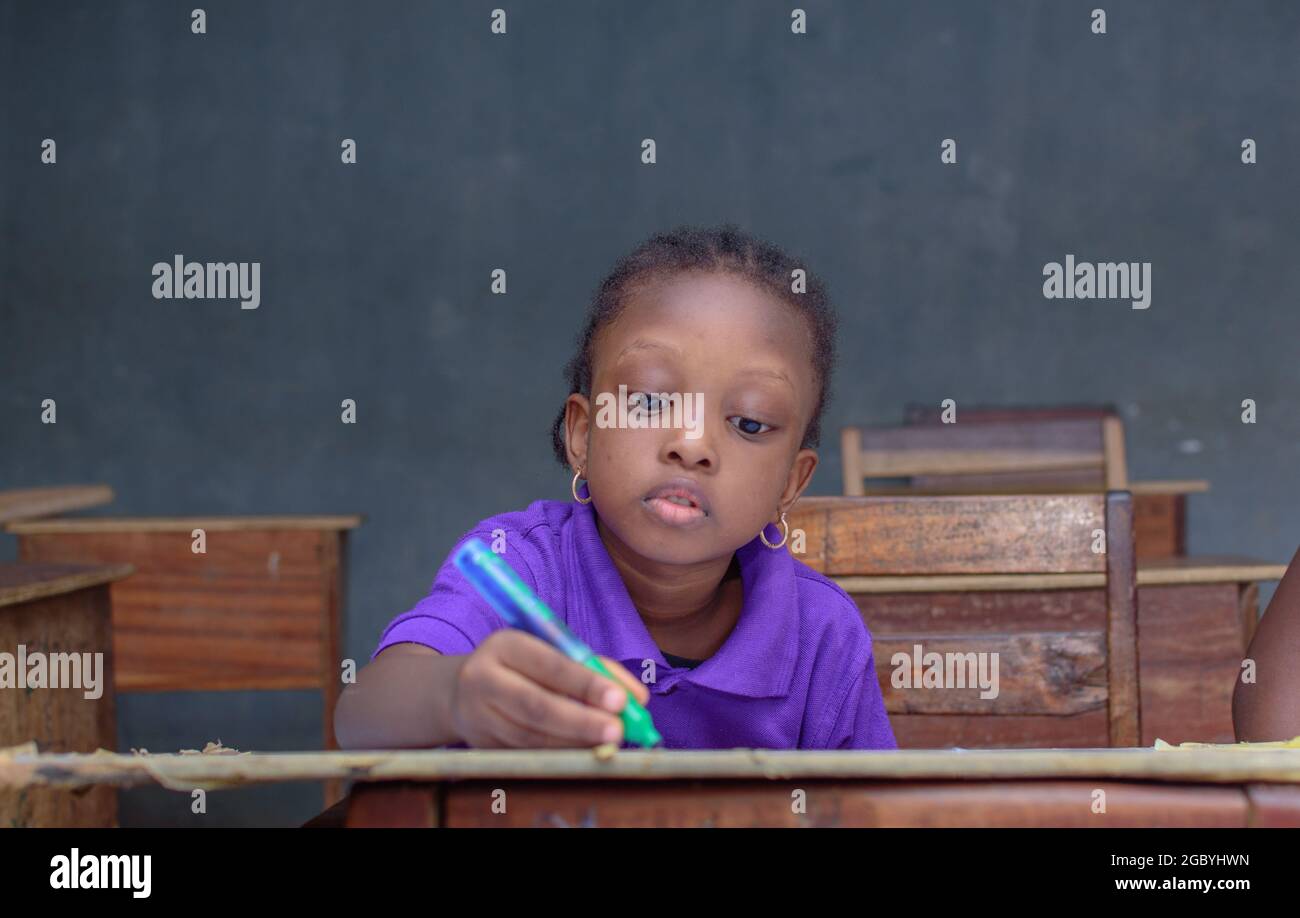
(515, 690)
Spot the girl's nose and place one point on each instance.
(694, 452)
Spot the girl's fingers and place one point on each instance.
(546, 666)
(562, 720)
(517, 735)
(506, 732)
(626, 678)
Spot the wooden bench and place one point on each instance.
(996, 573)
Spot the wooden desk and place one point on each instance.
(741, 787)
(57, 609)
(1194, 620)
(1159, 507)
(1160, 516)
(30, 503)
(261, 609)
(1196, 617)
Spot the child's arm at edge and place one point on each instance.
(1269, 708)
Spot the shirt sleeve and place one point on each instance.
(862, 722)
(453, 618)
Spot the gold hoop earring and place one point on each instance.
(574, 488)
(785, 533)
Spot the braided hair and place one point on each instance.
(726, 248)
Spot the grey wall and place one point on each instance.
(522, 151)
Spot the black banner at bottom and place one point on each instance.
(232, 868)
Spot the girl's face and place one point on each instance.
(741, 360)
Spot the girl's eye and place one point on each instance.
(749, 425)
(650, 404)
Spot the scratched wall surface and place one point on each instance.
(521, 151)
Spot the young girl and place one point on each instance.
(671, 561)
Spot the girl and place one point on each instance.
(671, 560)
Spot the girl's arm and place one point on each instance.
(513, 691)
(401, 699)
(1269, 708)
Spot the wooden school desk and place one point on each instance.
(918, 568)
(48, 609)
(1196, 617)
(985, 574)
(32, 503)
(261, 609)
(1018, 451)
(739, 787)
(1159, 508)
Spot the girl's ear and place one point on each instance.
(577, 428)
(801, 472)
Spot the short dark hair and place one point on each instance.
(725, 248)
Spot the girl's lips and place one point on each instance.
(684, 490)
(673, 514)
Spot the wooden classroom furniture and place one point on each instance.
(1065, 671)
(971, 454)
(1159, 507)
(1014, 451)
(30, 503)
(260, 609)
(1195, 617)
(57, 609)
(1089, 428)
(997, 803)
(741, 787)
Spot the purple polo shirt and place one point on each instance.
(796, 672)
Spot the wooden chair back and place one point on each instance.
(1044, 581)
(1042, 453)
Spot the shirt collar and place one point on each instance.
(757, 659)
